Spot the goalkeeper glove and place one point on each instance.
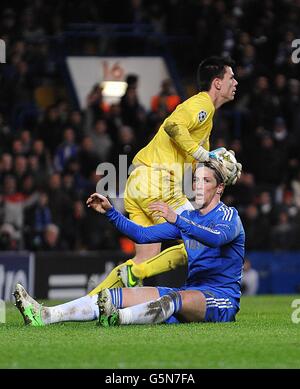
(217, 154)
(233, 167)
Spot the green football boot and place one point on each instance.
(128, 278)
(108, 313)
(28, 307)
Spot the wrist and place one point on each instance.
(201, 154)
(109, 211)
(174, 219)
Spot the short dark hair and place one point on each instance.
(211, 68)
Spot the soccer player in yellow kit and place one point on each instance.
(159, 167)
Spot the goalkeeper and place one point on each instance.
(214, 239)
(183, 138)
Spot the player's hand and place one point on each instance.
(164, 211)
(217, 154)
(99, 203)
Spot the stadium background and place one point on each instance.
(50, 148)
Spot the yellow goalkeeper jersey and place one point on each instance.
(194, 121)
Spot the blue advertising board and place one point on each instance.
(15, 267)
(279, 272)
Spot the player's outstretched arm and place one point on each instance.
(218, 236)
(99, 203)
(137, 233)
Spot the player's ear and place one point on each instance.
(217, 83)
(220, 189)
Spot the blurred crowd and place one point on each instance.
(49, 150)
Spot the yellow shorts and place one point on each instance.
(146, 185)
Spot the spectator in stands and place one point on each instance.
(250, 279)
(14, 203)
(288, 205)
(295, 184)
(283, 234)
(17, 147)
(273, 164)
(101, 140)
(66, 150)
(261, 103)
(44, 158)
(35, 170)
(166, 100)
(6, 165)
(9, 237)
(244, 191)
(114, 121)
(96, 107)
(37, 218)
(87, 157)
(20, 169)
(133, 113)
(26, 141)
(50, 128)
(76, 234)
(266, 207)
(51, 239)
(256, 229)
(125, 145)
(75, 121)
(59, 203)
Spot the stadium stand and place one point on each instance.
(49, 148)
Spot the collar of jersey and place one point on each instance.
(219, 205)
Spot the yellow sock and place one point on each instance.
(111, 281)
(166, 260)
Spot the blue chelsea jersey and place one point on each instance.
(214, 242)
(218, 266)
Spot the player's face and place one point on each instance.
(228, 85)
(205, 185)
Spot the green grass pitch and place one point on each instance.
(263, 336)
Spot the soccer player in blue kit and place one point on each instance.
(214, 239)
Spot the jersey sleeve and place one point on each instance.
(223, 232)
(140, 234)
(206, 145)
(178, 126)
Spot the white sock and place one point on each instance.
(82, 309)
(156, 311)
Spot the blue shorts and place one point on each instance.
(219, 307)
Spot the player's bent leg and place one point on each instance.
(193, 306)
(165, 261)
(151, 312)
(145, 251)
(122, 276)
(110, 301)
(132, 274)
(113, 280)
(219, 306)
(203, 305)
(34, 314)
